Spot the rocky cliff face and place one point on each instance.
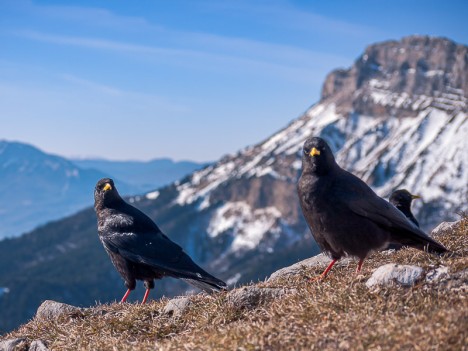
(240, 217)
(400, 78)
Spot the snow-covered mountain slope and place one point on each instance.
(425, 153)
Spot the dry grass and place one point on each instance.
(339, 313)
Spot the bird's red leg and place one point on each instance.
(124, 298)
(358, 269)
(325, 272)
(145, 297)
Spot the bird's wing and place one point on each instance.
(361, 199)
(151, 248)
(129, 233)
(156, 250)
(133, 235)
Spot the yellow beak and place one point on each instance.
(415, 197)
(107, 187)
(314, 152)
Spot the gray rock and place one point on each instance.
(392, 273)
(51, 309)
(457, 281)
(320, 260)
(18, 344)
(437, 274)
(177, 307)
(445, 227)
(38, 345)
(250, 297)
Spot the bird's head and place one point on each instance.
(105, 192)
(317, 156)
(402, 197)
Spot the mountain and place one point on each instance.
(36, 187)
(143, 176)
(396, 118)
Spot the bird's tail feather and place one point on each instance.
(207, 285)
(436, 248)
(425, 243)
(193, 274)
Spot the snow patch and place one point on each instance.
(152, 195)
(202, 182)
(52, 165)
(74, 173)
(234, 279)
(433, 73)
(4, 290)
(247, 225)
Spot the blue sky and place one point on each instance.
(184, 79)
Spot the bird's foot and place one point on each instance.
(325, 272)
(317, 278)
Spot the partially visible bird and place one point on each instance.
(138, 248)
(402, 199)
(345, 216)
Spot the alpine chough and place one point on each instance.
(402, 199)
(345, 216)
(138, 249)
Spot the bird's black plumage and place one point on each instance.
(402, 200)
(345, 216)
(138, 248)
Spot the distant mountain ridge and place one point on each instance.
(240, 217)
(37, 187)
(142, 175)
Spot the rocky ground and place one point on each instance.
(404, 300)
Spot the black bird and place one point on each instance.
(345, 216)
(138, 248)
(402, 199)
